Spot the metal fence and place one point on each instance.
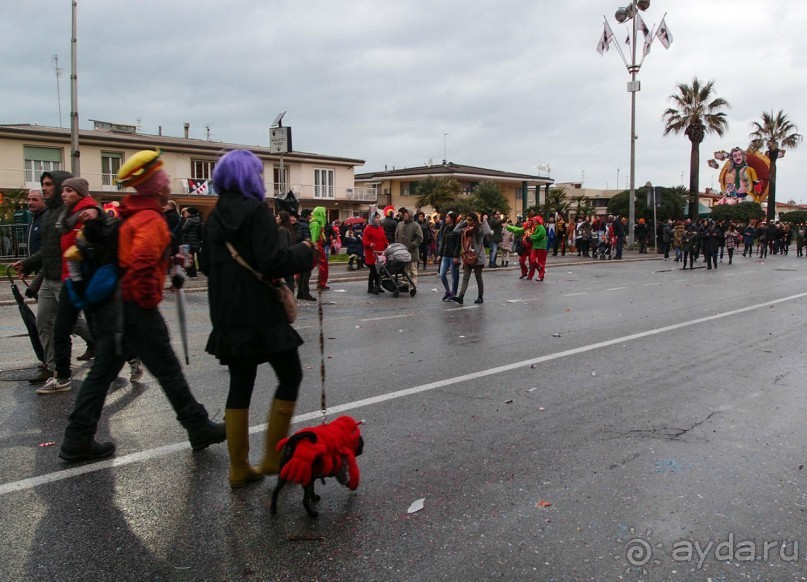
(13, 245)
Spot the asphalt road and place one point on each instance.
(617, 421)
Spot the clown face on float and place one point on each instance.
(744, 176)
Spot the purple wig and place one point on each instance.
(240, 171)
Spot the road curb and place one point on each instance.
(363, 277)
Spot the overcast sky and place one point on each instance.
(514, 83)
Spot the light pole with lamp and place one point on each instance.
(623, 14)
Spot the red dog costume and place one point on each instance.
(328, 450)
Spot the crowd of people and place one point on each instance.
(250, 256)
(74, 240)
(716, 239)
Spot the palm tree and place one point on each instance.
(487, 196)
(774, 133)
(580, 203)
(556, 202)
(439, 193)
(696, 112)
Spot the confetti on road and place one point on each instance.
(416, 506)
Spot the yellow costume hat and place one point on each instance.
(140, 169)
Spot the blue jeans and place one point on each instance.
(494, 249)
(445, 264)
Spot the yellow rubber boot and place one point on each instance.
(279, 422)
(236, 421)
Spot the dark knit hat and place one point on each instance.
(80, 185)
(305, 212)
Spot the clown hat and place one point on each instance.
(139, 168)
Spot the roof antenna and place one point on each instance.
(58, 89)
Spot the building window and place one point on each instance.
(202, 169)
(278, 181)
(38, 160)
(323, 183)
(409, 188)
(110, 164)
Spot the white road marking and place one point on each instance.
(652, 285)
(388, 317)
(616, 288)
(30, 483)
(575, 294)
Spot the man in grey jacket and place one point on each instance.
(495, 224)
(409, 234)
(48, 260)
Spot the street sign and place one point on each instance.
(634, 86)
(280, 140)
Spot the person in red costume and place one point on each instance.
(143, 240)
(374, 240)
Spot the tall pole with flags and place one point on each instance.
(633, 87)
(75, 166)
(623, 14)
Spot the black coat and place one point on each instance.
(711, 240)
(48, 258)
(390, 225)
(192, 233)
(450, 242)
(175, 224)
(248, 318)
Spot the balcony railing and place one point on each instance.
(312, 192)
(103, 182)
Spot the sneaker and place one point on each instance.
(55, 384)
(457, 299)
(88, 451)
(446, 295)
(136, 369)
(43, 376)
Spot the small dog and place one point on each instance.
(328, 450)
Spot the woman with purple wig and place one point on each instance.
(249, 322)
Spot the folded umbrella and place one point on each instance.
(178, 280)
(28, 318)
(183, 323)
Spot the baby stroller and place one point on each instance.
(391, 265)
(602, 248)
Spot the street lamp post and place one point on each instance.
(75, 167)
(623, 14)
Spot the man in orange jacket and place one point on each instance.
(143, 242)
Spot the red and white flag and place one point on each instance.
(606, 39)
(198, 187)
(663, 34)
